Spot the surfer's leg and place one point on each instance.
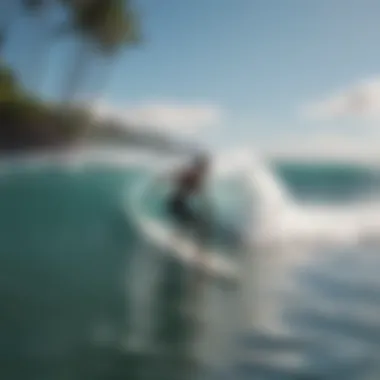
(191, 222)
(179, 212)
(198, 225)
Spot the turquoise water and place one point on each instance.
(81, 284)
(329, 182)
(86, 295)
(314, 312)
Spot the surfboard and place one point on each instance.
(180, 246)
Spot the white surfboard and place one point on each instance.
(176, 244)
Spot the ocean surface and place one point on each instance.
(89, 290)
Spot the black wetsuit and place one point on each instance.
(180, 210)
(179, 202)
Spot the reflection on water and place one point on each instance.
(315, 316)
(84, 296)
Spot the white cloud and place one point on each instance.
(170, 117)
(359, 101)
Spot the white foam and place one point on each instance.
(278, 218)
(275, 215)
(173, 243)
(282, 218)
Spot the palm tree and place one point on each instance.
(104, 26)
(123, 31)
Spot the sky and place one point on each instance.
(291, 77)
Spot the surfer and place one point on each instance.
(189, 183)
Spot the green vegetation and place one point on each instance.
(28, 122)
